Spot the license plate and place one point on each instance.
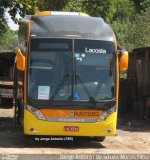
(71, 128)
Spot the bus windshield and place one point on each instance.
(71, 70)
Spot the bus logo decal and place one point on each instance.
(99, 51)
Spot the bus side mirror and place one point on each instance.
(20, 60)
(123, 61)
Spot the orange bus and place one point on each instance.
(67, 75)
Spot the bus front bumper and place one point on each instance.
(34, 126)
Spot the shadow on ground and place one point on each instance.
(14, 138)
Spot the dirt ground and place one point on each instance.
(133, 136)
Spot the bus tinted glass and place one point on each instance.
(95, 69)
(59, 71)
(49, 64)
(56, 45)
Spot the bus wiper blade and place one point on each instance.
(91, 99)
(66, 76)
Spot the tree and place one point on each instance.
(139, 34)
(141, 5)
(125, 10)
(3, 25)
(16, 6)
(101, 8)
(122, 22)
(54, 5)
(9, 40)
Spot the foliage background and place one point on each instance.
(130, 19)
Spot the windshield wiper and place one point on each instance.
(91, 99)
(66, 76)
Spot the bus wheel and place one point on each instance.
(99, 139)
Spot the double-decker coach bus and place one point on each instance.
(67, 75)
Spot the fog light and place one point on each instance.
(109, 130)
(31, 129)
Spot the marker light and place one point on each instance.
(58, 13)
(55, 13)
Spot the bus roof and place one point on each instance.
(77, 27)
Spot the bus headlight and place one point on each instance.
(107, 113)
(36, 112)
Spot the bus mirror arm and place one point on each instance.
(20, 60)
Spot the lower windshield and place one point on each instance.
(60, 71)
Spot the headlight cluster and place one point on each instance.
(107, 113)
(36, 112)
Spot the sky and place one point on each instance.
(10, 22)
